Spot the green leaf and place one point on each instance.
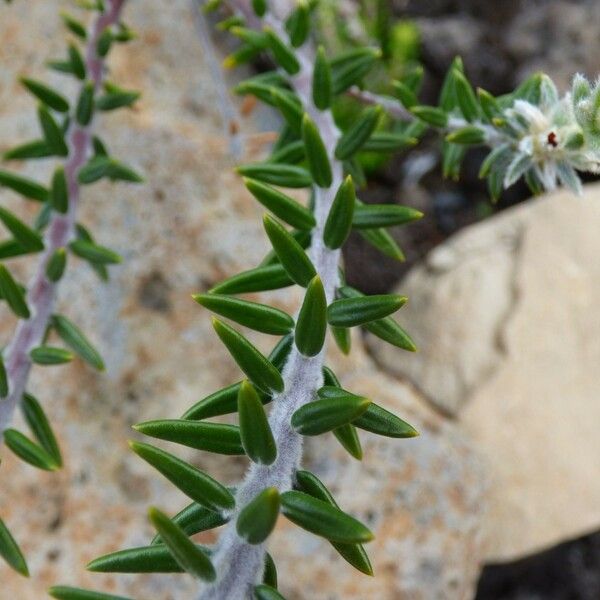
(256, 434)
(59, 191)
(339, 221)
(302, 237)
(116, 97)
(73, 25)
(259, 7)
(104, 43)
(11, 292)
(370, 216)
(406, 95)
(467, 101)
(259, 317)
(50, 355)
(94, 253)
(471, 134)
(290, 253)
(452, 157)
(190, 558)
(3, 379)
(290, 108)
(322, 88)
(53, 133)
(76, 340)
(61, 592)
(311, 326)
(56, 265)
(350, 312)
(342, 337)
(448, 100)
(218, 438)
(389, 142)
(383, 241)
(193, 482)
(353, 553)
(350, 68)
(10, 551)
(100, 166)
(40, 427)
(281, 205)
(283, 54)
(195, 518)
(257, 519)
(269, 277)
(323, 519)
(47, 95)
(270, 572)
(382, 422)
(489, 105)
(145, 559)
(289, 176)
(256, 367)
(347, 436)
(76, 61)
(387, 329)
(298, 25)
(431, 114)
(29, 239)
(357, 135)
(28, 451)
(29, 150)
(324, 415)
(85, 104)
(266, 592)
(316, 153)
(291, 153)
(24, 186)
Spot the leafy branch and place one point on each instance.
(68, 135)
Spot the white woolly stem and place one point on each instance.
(41, 292)
(240, 565)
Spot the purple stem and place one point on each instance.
(41, 292)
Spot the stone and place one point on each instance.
(191, 224)
(505, 315)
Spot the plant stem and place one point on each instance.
(239, 565)
(41, 292)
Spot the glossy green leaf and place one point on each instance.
(385, 141)
(259, 317)
(11, 292)
(370, 216)
(218, 438)
(50, 355)
(298, 24)
(256, 435)
(27, 237)
(465, 96)
(56, 265)
(59, 192)
(406, 95)
(195, 518)
(470, 134)
(353, 553)
(10, 551)
(382, 422)
(316, 153)
(342, 337)
(266, 592)
(291, 154)
(105, 40)
(94, 253)
(61, 592)
(3, 379)
(347, 436)
(100, 166)
(319, 416)
(24, 186)
(76, 61)
(359, 132)
(186, 553)
(290, 108)
(77, 341)
(259, 7)
(383, 241)
(53, 133)
(40, 427)
(339, 221)
(270, 572)
(323, 519)
(311, 326)
(350, 312)
(489, 105)
(73, 25)
(193, 482)
(281, 205)
(431, 115)
(28, 451)
(28, 150)
(283, 54)
(289, 176)
(322, 87)
(291, 255)
(261, 279)
(303, 237)
(85, 104)
(256, 367)
(47, 95)
(116, 97)
(257, 519)
(350, 68)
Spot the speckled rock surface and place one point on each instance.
(191, 224)
(505, 316)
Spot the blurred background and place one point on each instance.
(499, 498)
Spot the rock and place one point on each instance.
(513, 356)
(191, 224)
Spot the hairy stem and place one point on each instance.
(41, 292)
(240, 565)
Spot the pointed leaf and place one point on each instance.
(351, 67)
(29, 239)
(347, 436)
(261, 279)
(291, 255)
(311, 326)
(266, 592)
(12, 293)
(322, 89)
(257, 519)
(369, 216)
(185, 552)
(40, 427)
(94, 253)
(59, 193)
(382, 422)
(256, 435)
(298, 25)
(28, 451)
(323, 519)
(350, 312)
(431, 115)
(3, 379)
(85, 104)
(56, 265)
(465, 96)
(383, 241)
(342, 337)
(218, 438)
(61, 592)
(191, 481)
(24, 186)
(289, 176)
(74, 338)
(53, 134)
(316, 153)
(339, 221)
(270, 572)
(47, 95)
(259, 317)
(10, 551)
(283, 54)
(357, 135)
(29, 150)
(50, 355)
